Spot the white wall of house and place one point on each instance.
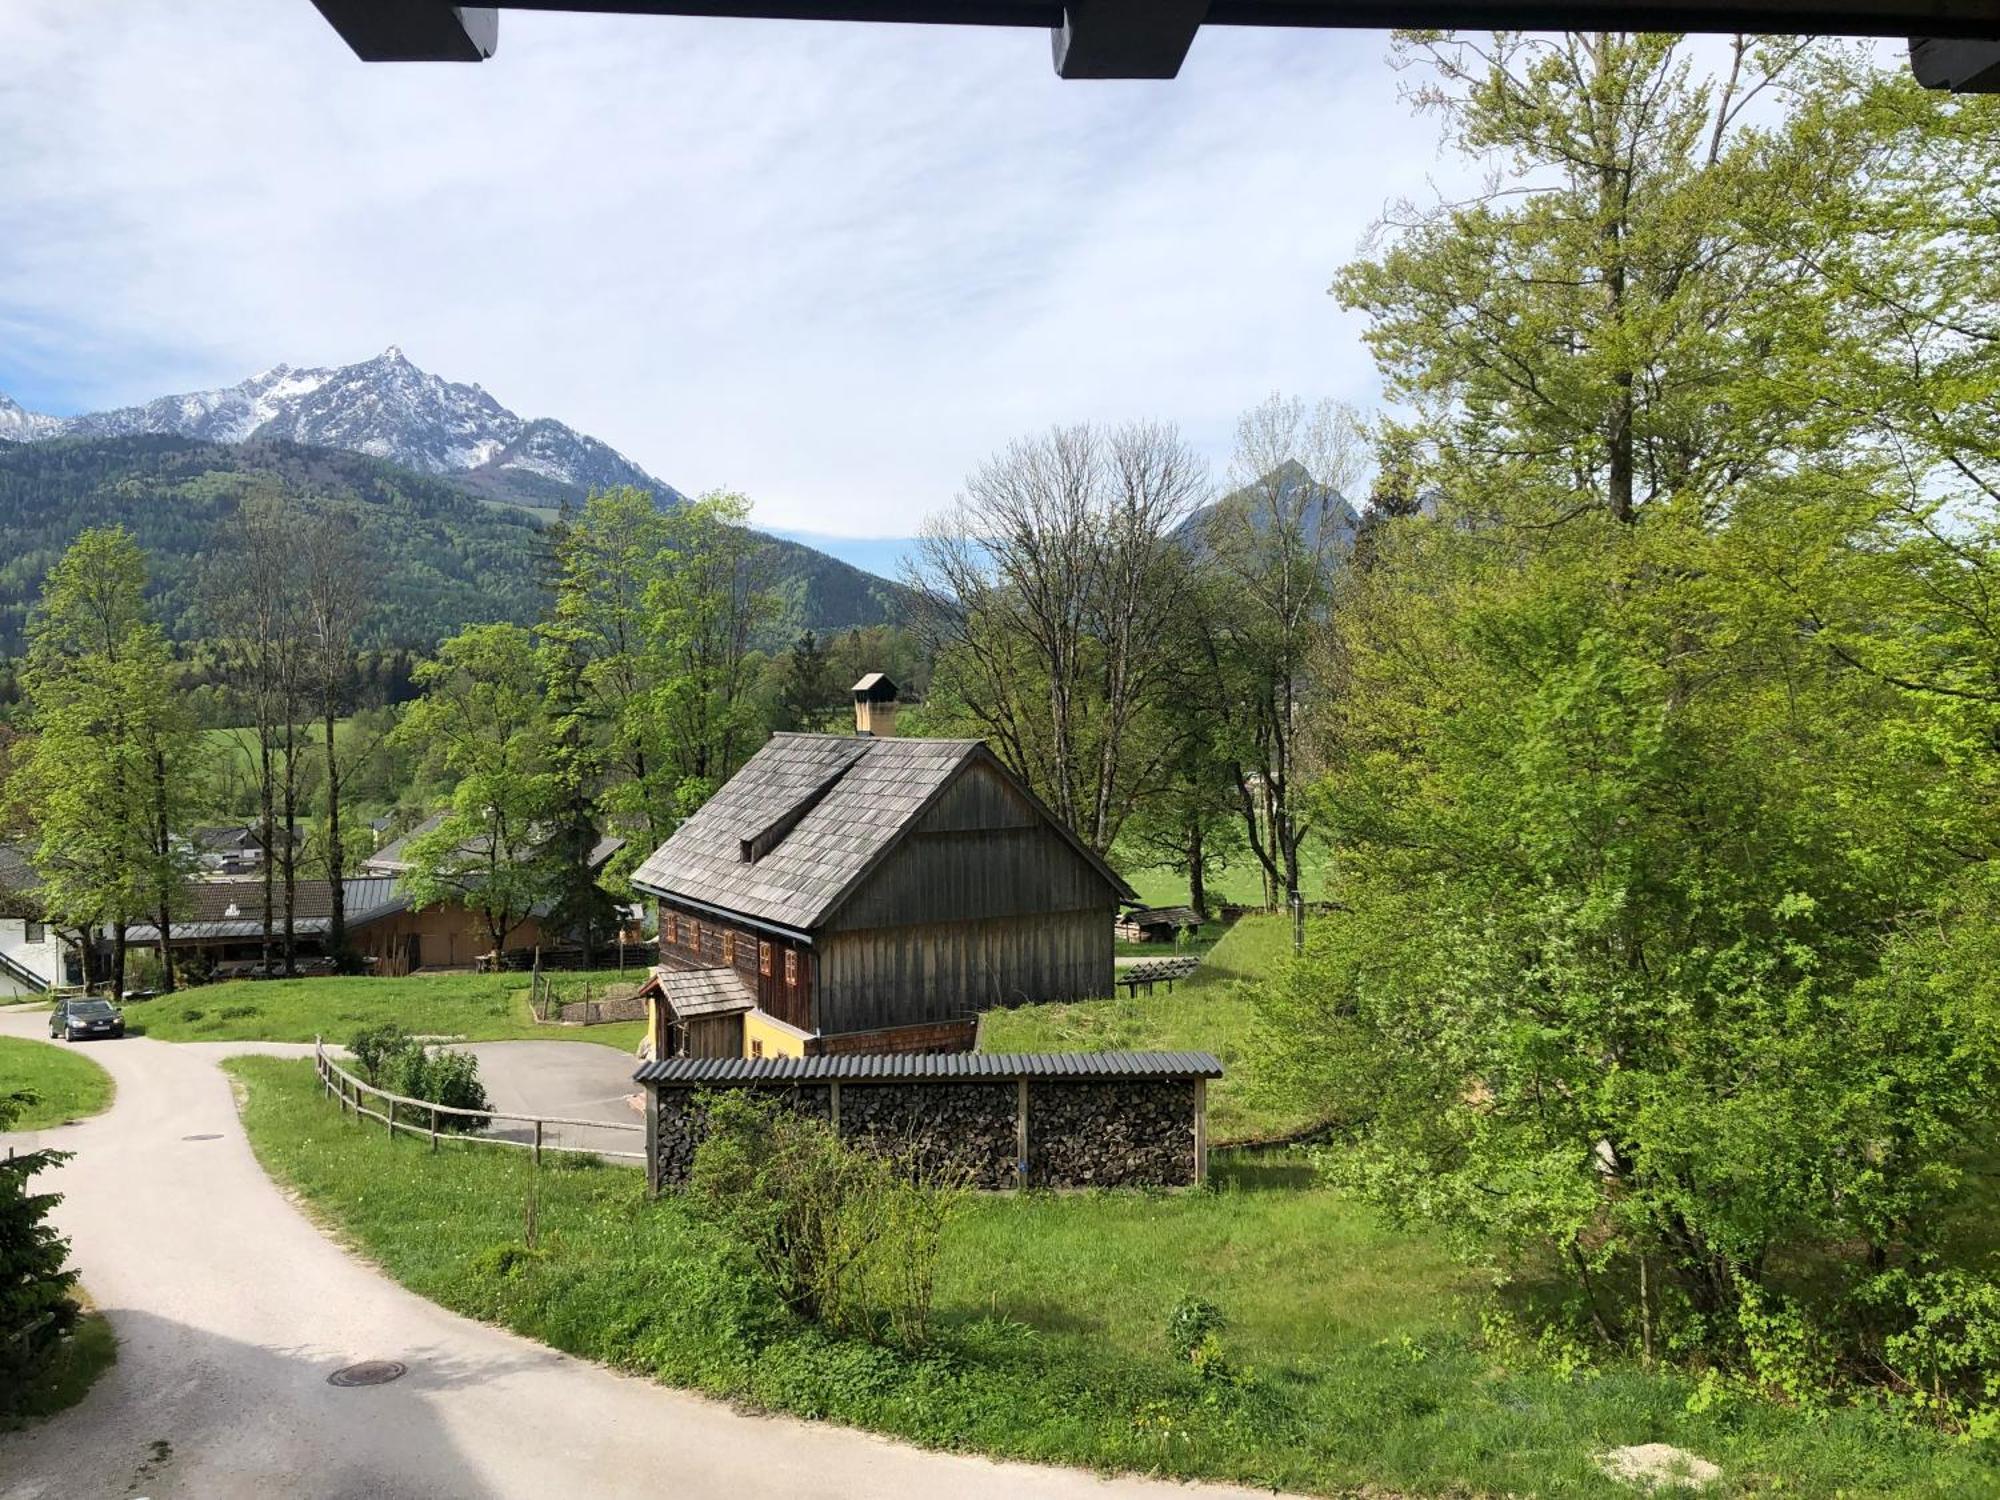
(32, 947)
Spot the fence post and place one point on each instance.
(1021, 1135)
(434, 1129)
(538, 1142)
(392, 1119)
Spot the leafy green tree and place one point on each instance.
(107, 779)
(481, 721)
(807, 691)
(1660, 768)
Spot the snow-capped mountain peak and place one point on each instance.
(385, 407)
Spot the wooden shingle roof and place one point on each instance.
(792, 834)
(705, 992)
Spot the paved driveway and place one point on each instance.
(232, 1309)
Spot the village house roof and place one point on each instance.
(703, 992)
(696, 1072)
(790, 836)
(19, 883)
(214, 909)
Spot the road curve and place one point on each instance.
(231, 1310)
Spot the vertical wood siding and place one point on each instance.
(791, 1004)
(894, 976)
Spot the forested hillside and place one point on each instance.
(443, 556)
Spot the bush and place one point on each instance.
(35, 1305)
(393, 1060)
(843, 1237)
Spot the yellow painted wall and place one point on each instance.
(778, 1039)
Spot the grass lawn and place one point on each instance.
(67, 1377)
(68, 1085)
(1366, 1367)
(1240, 884)
(477, 1007)
(1212, 1012)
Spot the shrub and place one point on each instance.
(35, 1305)
(191, 1014)
(842, 1236)
(394, 1060)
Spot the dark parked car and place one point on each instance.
(77, 1019)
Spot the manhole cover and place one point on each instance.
(368, 1372)
(201, 1137)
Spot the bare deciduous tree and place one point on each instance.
(1050, 594)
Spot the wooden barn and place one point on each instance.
(867, 893)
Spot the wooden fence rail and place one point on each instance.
(419, 1117)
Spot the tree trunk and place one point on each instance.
(266, 793)
(1197, 869)
(163, 847)
(291, 844)
(118, 960)
(335, 857)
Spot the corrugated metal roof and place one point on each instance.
(695, 1072)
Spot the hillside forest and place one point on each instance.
(1634, 747)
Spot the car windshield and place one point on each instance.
(91, 1010)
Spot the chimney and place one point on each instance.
(875, 706)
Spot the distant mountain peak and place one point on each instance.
(385, 407)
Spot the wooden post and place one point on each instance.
(1021, 1134)
(434, 1130)
(391, 1124)
(538, 1142)
(1200, 1131)
(833, 1103)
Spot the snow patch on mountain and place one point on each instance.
(384, 407)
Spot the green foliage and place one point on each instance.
(443, 555)
(1660, 766)
(398, 1063)
(480, 722)
(842, 1236)
(36, 1307)
(107, 776)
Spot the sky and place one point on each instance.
(833, 267)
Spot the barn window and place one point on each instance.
(756, 1049)
(729, 949)
(36, 933)
(791, 967)
(764, 959)
(673, 928)
(694, 940)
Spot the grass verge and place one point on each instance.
(477, 1007)
(67, 1375)
(1356, 1363)
(1211, 1012)
(68, 1085)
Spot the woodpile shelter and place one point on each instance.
(870, 894)
(1045, 1119)
(1157, 924)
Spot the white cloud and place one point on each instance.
(831, 266)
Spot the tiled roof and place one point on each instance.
(696, 1072)
(705, 992)
(817, 809)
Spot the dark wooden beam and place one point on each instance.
(1959, 45)
(414, 30)
(1964, 67)
(1126, 38)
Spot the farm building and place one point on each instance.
(34, 959)
(219, 928)
(1157, 924)
(870, 894)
